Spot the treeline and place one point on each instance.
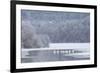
(39, 28)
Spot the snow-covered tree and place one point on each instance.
(30, 39)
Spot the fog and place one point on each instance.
(39, 29)
(46, 27)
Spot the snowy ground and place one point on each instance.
(57, 52)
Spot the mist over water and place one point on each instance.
(40, 28)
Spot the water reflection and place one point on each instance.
(54, 55)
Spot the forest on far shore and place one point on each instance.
(39, 28)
